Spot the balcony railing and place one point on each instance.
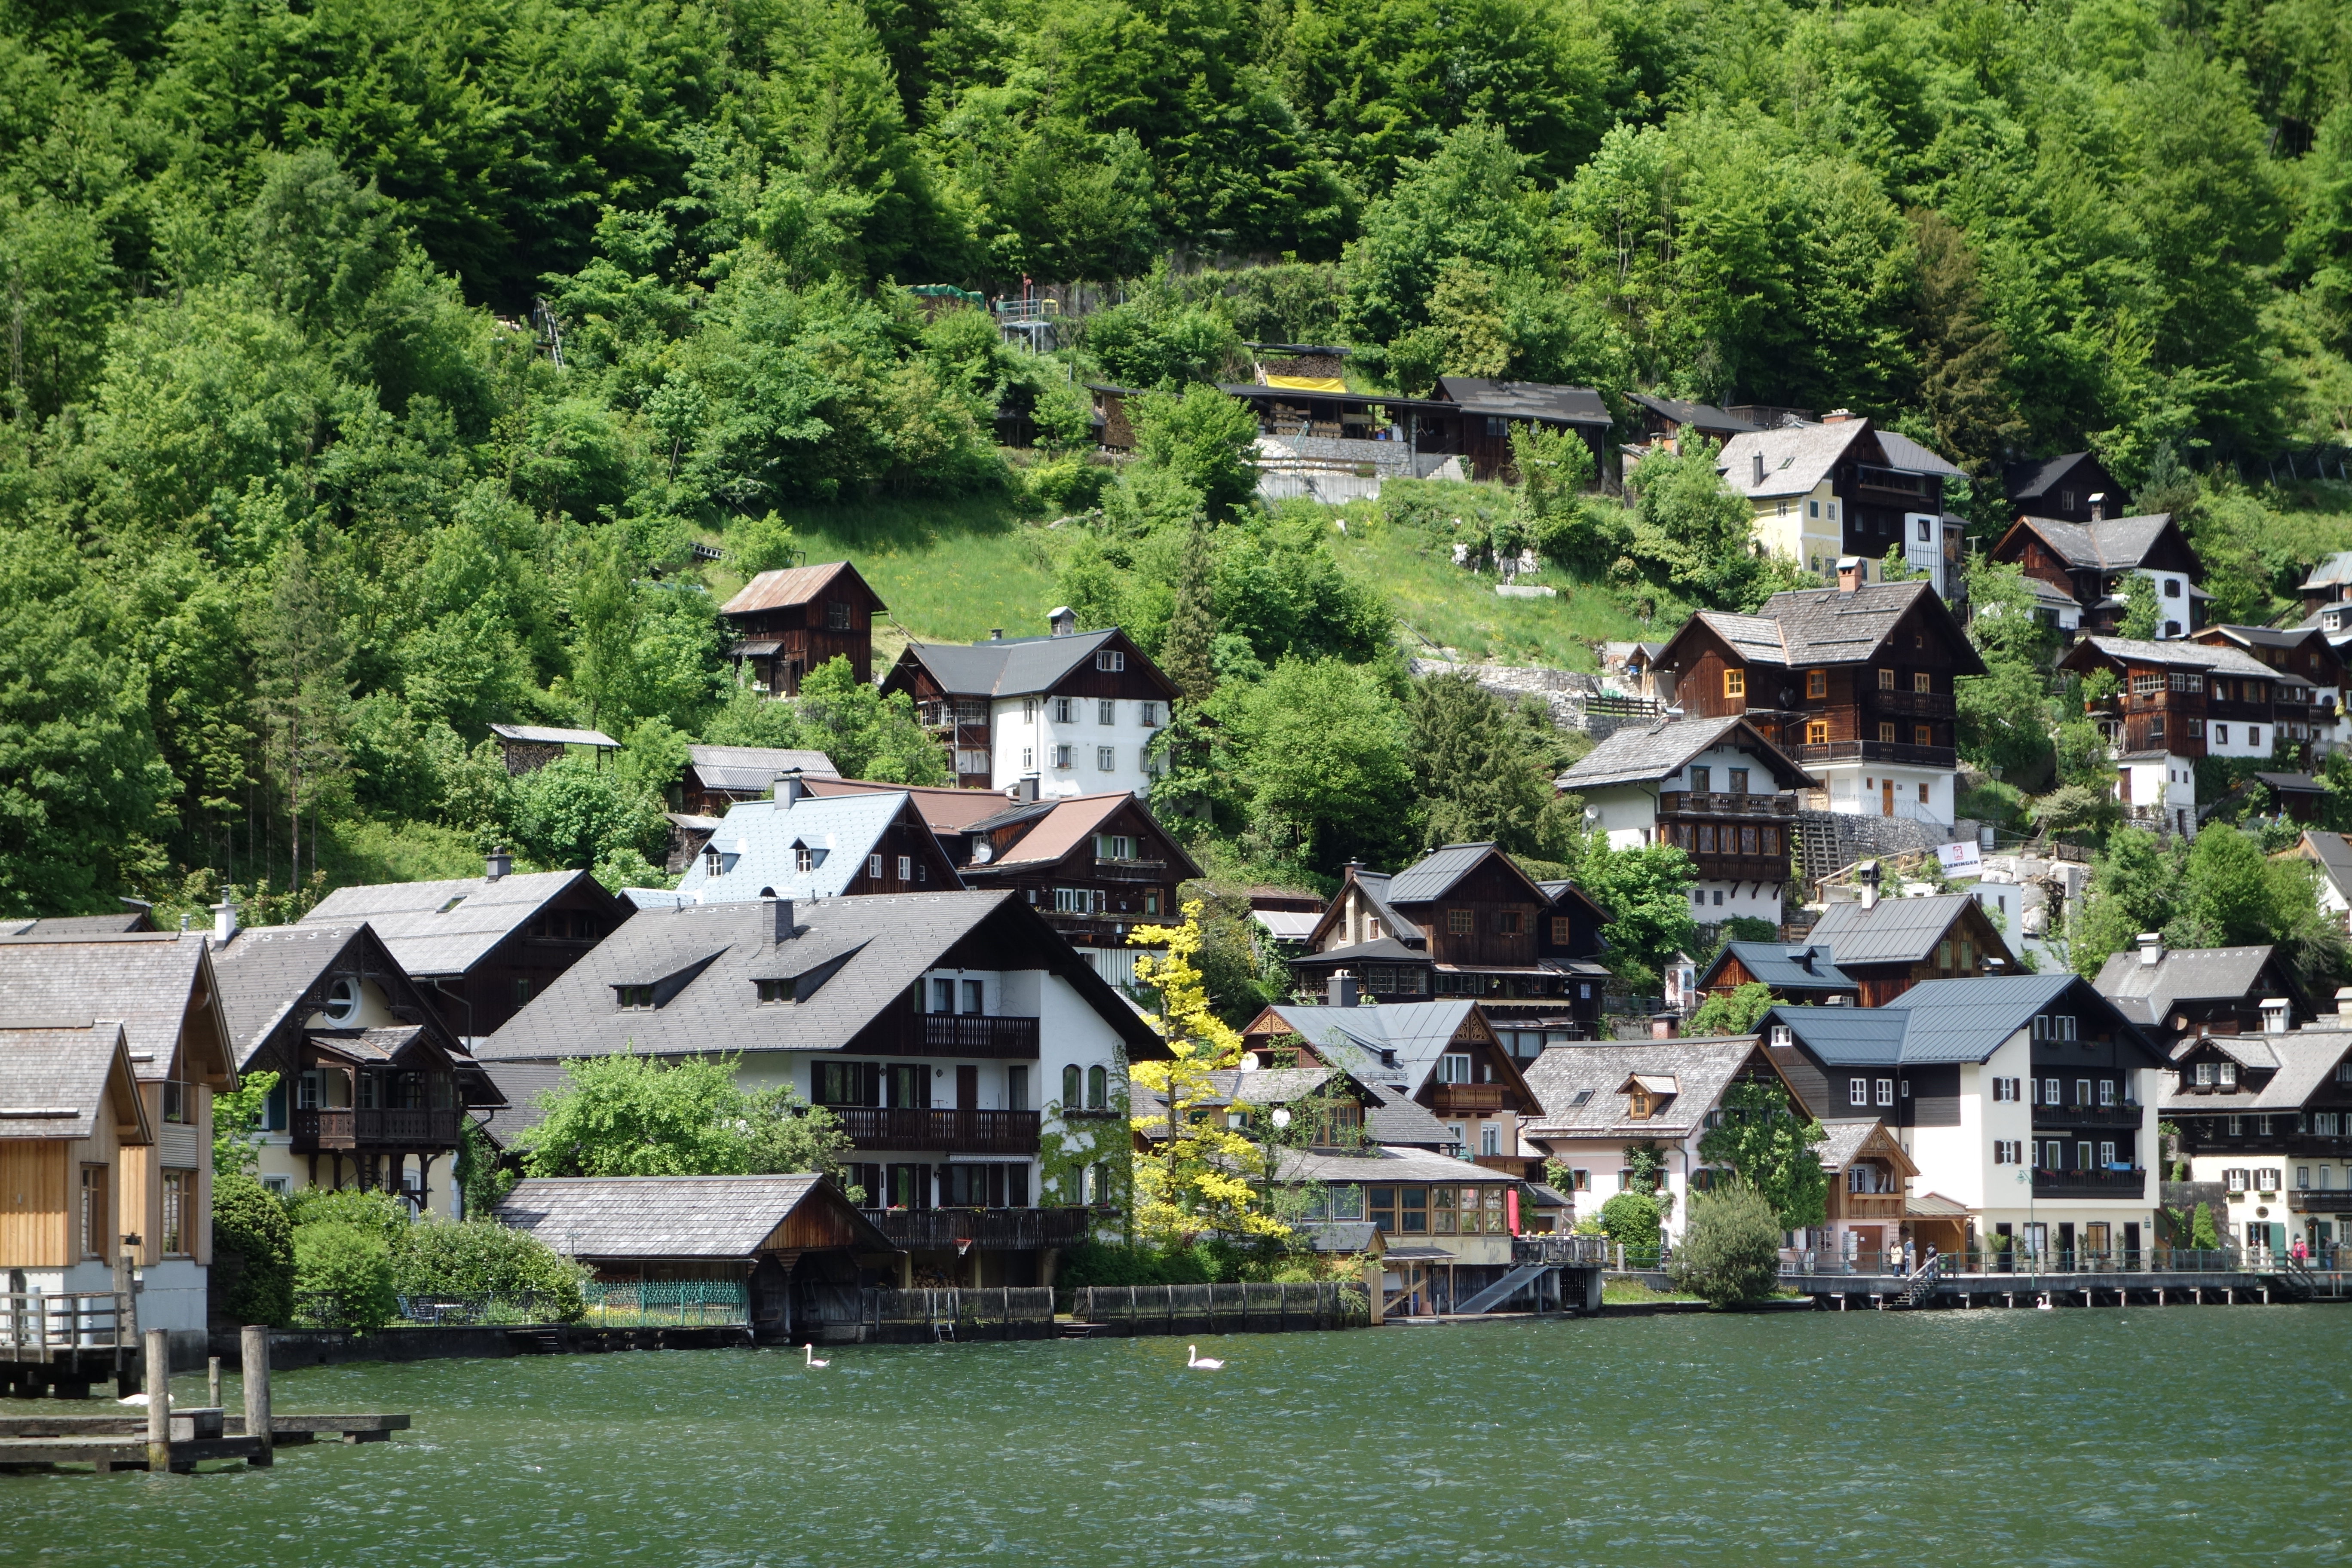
(2089, 1183)
(912, 1130)
(1895, 751)
(1870, 1206)
(1716, 803)
(360, 1129)
(2089, 1115)
(2324, 1200)
(975, 1035)
(1916, 704)
(1131, 870)
(1467, 1098)
(1740, 868)
(990, 1230)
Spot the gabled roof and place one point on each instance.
(1066, 825)
(1581, 1088)
(1848, 1140)
(865, 953)
(714, 1218)
(1894, 930)
(447, 927)
(2305, 1060)
(54, 928)
(2179, 653)
(1398, 1119)
(56, 1082)
(2335, 572)
(2333, 851)
(2031, 480)
(1526, 400)
(1644, 754)
(760, 842)
(1796, 456)
(1380, 950)
(1020, 667)
(265, 970)
(1434, 874)
(1400, 1042)
(1779, 965)
(2111, 545)
(1909, 456)
(541, 735)
(2145, 993)
(1704, 417)
(2293, 783)
(947, 810)
(1945, 1021)
(1375, 887)
(753, 767)
(792, 586)
(1814, 627)
(1380, 1163)
(150, 981)
(2284, 638)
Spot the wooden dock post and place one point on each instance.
(212, 1381)
(253, 1345)
(126, 1323)
(158, 1402)
(1375, 1289)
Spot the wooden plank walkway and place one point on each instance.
(119, 1442)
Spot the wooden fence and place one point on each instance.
(1239, 1308)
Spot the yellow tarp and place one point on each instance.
(1308, 383)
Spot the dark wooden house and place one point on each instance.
(2089, 560)
(2177, 994)
(1664, 419)
(715, 777)
(2071, 488)
(789, 621)
(1885, 946)
(1465, 417)
(2192, 698)
(1795, 971)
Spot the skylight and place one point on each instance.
(451, 904)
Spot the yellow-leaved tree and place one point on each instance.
(1195, 1174)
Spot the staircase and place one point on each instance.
(1501, 1290)
(1922, 1288)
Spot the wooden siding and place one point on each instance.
(35, 1229)
(1882, 982)
(485, 997)
(821, 1222)
(1487, 895)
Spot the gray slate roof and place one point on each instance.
(2031, 480)
(2145, 993)
(52, 928)
(1526, 400)
(1702, 1067)
(1013, 667)
(430, 934)
(264, 970)
(526, 1086)
(1401, 1120)
(1399, 1041)
(1644, 754)
(1380, 1163)
(1813, 627)
(1896, 930)
(868, 950)
(2111, 545)
(2180, 653)
(2305, 1060)
(1943, 1021)
(1703, 416)
(1911, 457)
(754, 768)
(142, 979)
(758, 841)
(62, 1070)
(2293, 783)
(2334, 853)
(1775, 964)
(1796, 456)
(716, 1217)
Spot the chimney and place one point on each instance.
(996, 633)
(2098, 506)
(781, 932)
(1664, 1026)
(497, 863)
(1837, 416)
(1868, 879)
(1341, 992)
(2343, 1004)
(1026, 790)
(2274, 1015)
(1849, 573)
(224, 923)
(789, 787)
(2151, 948)
(1063, 620)
(1759, 468)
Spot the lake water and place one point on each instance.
(2181, 1435)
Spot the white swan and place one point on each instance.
(138, 1399)
(2042, 1305)
(809, 1359)
(1198, 1362)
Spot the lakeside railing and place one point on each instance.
(34, 1321)
(2079, 1260)
(665, 1303)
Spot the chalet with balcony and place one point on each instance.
(2073, 487)
(1662, 420)
(2269, 1117)
(800, 846)
(1444, 1226)
(1600, 1103)
(73, 1130)
(1464, 422)
(1075, 713)
(939, 1026)
(483, 946)
(1869, 1200)
(1854, 684)
(2188, 700)
(2304, 651)
(1797, 973)
(2089, 560)
(718, 778)
(2022, 1100)
(1715, 789)
(160, 989)
(1885, 946)
(374, 1087)
(2332, 854)
(2180, 994)
(1463, 920)
(1841, 488)
(790, 621)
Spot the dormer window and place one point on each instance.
(2208, 1072)
(634, 998)
(1780, 1033)
(2229, 1075)
(803, 858)
(772, 992)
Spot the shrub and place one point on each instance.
(343, 1275)
(2202, 1236)
(1730, 1251)
(373, 1211)
(482, 1258)
(251, 1220)
(1631, 1219)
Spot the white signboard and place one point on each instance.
(1960, 859)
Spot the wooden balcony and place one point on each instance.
(2088, 1116)
(2322, 1200)
(1715, 802)
(1740, 868)
(1131, 870)
(1869, 1206)
(1914, 704)
(909, 1130)
(990, 1230)
(973, 1035)
(1896, 752)
(1521, 1167)
(1466, 1099)
(2121, 1186)
(356, 1130)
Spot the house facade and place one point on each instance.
(2268, 1116)
(1839, 489)
(979, 1065)
(2089, 560)
(2023, 1101)
(717, 777)
(1854, 684)
(1715, 788)
(2185, 701)
(2074, 487)
(1800, 972)
(2303, 651)
(1885, 946)
(2180, 994)
(1078, 712)
(790, 621)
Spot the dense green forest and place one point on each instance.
(371, 368)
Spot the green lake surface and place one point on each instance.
(2187, 1435)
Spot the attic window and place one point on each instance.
(2053, 1026)
(1582, 1096)
(1110, 659)
(634, 998)
(773, 991)
(803, 858)
(342, 1000)
(450, 905)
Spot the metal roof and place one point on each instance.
(1526, 400)
(1433, 875)
(538, 735)
(1704, 417)
(716, 1217)
(1401, 1039)
(754, 768)
(790, 585)
(1019, 667)
(1909, 456)
(445, 927)
(1644, 754)
(1893, 930)
(760, 842)
(1777, 964)
(1943, 1021)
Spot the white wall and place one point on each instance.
(2171, 604)
(1854, 788)
(1035, 735)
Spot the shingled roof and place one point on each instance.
(1017, 667)
(148, 980)
(1784, 966)
(1401, 1041)
(2304, 1062)
(1644, 754)
(1579, 1086)
(444, 927)
(1526, 400)
(1704, 417)
(2112, 545)
(2146, 992)
(2180, 653)
(711, 1218)
(54, 1083)
(1796, 456)
(856, 959)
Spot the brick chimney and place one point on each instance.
(1837, 416)
(1849, 573)
(1665, 1025)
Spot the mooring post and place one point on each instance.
(253, 1347)
(158, 1402)
(126, 1322)
(212, 1381)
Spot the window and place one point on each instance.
(1922, 681)
(2233, 1180)
(1497, 425)
(1817, 732)
(2220, 735)
(906, 867)
(1886, 680)
(1507, 922)
(1780, 1035)
(1922, 735)
(1459, 922)
(1105, 759)
(1097, 1088)
(1063, 755)
(1105, 712)
(1735, 683)
(2004, 1089)
(1110, 658)
(2050, 1092)
(176, 1185)
(1702, 780)
(522, 991)
(2254, 734)
(1490, 1139)
(773, 991)
(634, 998)
(94, 1217)
(1070, 1101)
(2303, 1178)
(1738, 781)
(873, 867)
(1857, 1091)
(2142, 684)
(2155, 726)
(1453, 1067)
(2229, 1078)
(1114, 846)
(1563, 932)
(2007, 1151)
(1886, 733)
(836, 616)
(803, 858)
(1150, 714)
(846, 1083)
(1065, 709)
(1028, 709)
(1028, 759)
(1817, 683)
(2053, 1154)
(1412, 1210)
(2266, 1179)
(942, 996)
(973, 990)
(2053, 1026)
(2172, 587)
(1886, 1091)
(2106, 1092)
(342, 1001)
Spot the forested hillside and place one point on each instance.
(370, 367)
